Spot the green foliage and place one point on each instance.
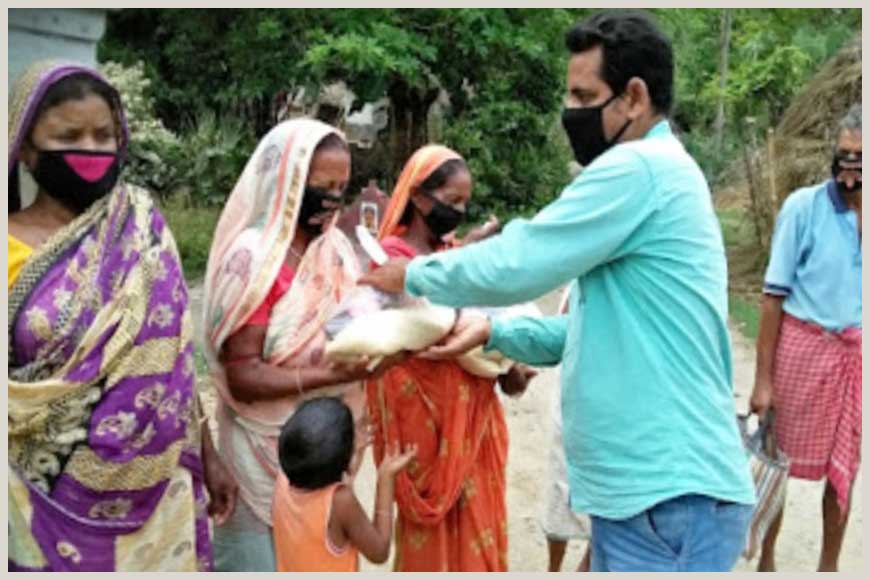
(200, 361)
(773, 53)
(502, 69)
(514, 173)
(743, 287)
(370, 60)
(153, 147)
(203, 162)
(745, 315)
(223, 60)
(501, 118)
(736, 227)
(192, 228)
(702, 146)
(214, 154)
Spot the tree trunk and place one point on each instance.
(773, 204)
(759, 209)
(409, 114)
(400, 147)
(724, 48)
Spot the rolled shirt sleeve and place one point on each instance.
(530, 340)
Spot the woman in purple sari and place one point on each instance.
(108, 463)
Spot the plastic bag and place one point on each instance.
(360, 301)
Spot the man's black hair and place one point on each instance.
(632, 46)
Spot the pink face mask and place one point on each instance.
(90, 167)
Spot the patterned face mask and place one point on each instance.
(76, 177)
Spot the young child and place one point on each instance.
(318, 523)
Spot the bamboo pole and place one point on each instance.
(771, 164)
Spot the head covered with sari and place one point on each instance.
(103, 436)
(28, 92)
(423, 163)
(250, 244)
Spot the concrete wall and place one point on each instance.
(51, 33)
(61, 33)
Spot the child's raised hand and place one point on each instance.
(364, 432)
(394, 462)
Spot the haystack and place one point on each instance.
(804, 136)
(797, 154)
(802, 141)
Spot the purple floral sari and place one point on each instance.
(104, 437)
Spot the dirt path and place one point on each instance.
(800, 539)
(529, 426)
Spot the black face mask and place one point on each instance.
(75, 177)
(585, 129)
(442, 219)
(836, 169)
(313, 203)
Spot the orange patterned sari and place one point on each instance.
(451, 498)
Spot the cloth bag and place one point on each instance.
(769, 466)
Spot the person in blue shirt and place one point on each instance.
(652, 445)
(809, 342)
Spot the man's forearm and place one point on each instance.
(768, 337)
(477, 274)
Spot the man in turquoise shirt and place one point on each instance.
(653, 450)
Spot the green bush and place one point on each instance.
(745, 314)
(203, 162)
(214, 152)
(193, 228)
(153, 148)
(743, 307)
(701, 146)
(517, 169)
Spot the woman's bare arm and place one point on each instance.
(250, 378)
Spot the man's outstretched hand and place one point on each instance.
(388, 278)
(470, 331)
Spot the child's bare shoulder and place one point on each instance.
(343, 492)
(344, 502)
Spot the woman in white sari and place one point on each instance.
(277, 270)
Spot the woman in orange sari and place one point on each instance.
(452, 514)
